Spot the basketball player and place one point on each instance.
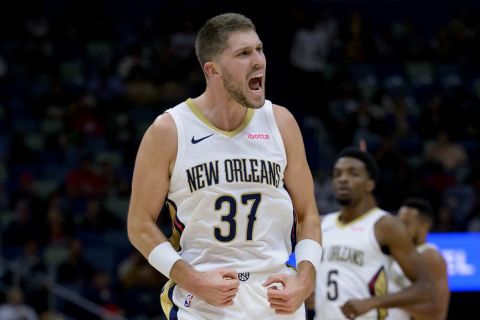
(359, 243)
(233, 170)
(417, 215)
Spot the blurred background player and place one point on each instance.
(360, 241)
(417, 215)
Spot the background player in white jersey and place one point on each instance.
(417, 215)
(359, 243)
(225, 161)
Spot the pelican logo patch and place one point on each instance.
(243, 276)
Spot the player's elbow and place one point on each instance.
(135, 229)
(131, 230)
(434, 311)
(438, 313)
(431, 308)
(426, 312)
(438, 308)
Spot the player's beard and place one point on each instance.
(344, 201)
(236, 92)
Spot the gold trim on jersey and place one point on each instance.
(194, 108)
(340, 224)
(378, 286)
(166, 298)
(176, 232)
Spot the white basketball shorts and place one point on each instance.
(251, 302)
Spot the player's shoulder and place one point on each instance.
(287, 125)
(162, 134)
(387, 220)
(430, 251)
(166, 120)
(435, 262)
(159, 143)
(163, 124)
(282, 115)
(388, 228)
(281, 110)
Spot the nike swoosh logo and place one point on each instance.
(327, 229)
(194, 141)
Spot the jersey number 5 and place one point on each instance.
(332, 285)
(252, 199)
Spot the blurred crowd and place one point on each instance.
(78, 89)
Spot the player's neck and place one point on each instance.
(355, 210)
(224, 114)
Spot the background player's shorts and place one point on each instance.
(250, 302)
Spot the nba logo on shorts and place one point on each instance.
(188, 300)
(243, 276)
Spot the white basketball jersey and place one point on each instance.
(398, 281)
(226, 196)
(353, 266)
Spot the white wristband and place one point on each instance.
(163, 257)
(310, 250)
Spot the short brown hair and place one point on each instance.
(213, 35)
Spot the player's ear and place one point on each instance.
(370, 185)
(211, 69)
(426, 224)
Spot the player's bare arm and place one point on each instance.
(390, 232)
(437, 309)
(310, 302)
(150, 184)
(299, 183)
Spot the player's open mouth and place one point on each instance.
(256, 83)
